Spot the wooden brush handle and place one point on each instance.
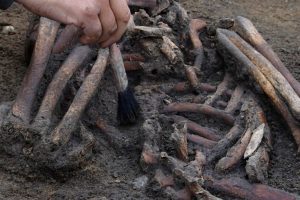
(117, 65)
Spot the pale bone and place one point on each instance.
(255, 141)
(62, 133)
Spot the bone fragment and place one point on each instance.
(240, 188)
(184, 87)
(163, 180)
(220, 148)
(62, 133)
(201, 141)
(171, 51)
(222, 87)
(235, 154)
(179, 136)
(200, 108)
(255, 140)
(235, 100)
(196, 128)
(248, 32)
(26, 96)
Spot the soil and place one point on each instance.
(112, 171)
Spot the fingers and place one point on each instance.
(108, 21)
(122, 16)
(92, 30)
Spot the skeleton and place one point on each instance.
(201, 151)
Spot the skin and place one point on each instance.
(102, 21)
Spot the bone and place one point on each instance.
(67, 38)
(270, 72)
(143, 3)
(222, 87)
(240, 188)
(146, 31)
(179, 136)
(201, 141)
(222, 104)
(235, 100)
(183, 194)
(192, 77)
(196, 128)
(262, 81)
(197, 25)
(221, 147)
(133, 57)
(255, 140)
(248, 32)
(132, 66)
(235, 154)
(57, 85)
(26, 96)
(171, 51)
(200, 108)
(62, 133)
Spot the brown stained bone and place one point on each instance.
(270, 72)
(235, 154)
(196, 25)
(192, 77)
(221, 147)
(184, 87)
(132, 66)
(133, 57)
(62, 133)
(57, 85)
(179, 136)
(262, 81)
(240, 188)
(143, 3)
(222, 87)
(235, 100)
(200, 108)
(248, 32)
(196, 128)
(67, 38)
(26, 96)
(201, 141)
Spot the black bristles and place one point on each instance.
(128, 107)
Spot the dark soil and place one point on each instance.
(113, 169)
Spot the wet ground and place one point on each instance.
(111, 173)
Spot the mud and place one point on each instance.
(115, 166)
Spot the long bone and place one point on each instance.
(46, 35)
(253, 71)
(62, 133)
(60, 80)
(248, 32)
(269, 71)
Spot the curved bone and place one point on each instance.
(200, 108)
(270, 72)
(248, 32)
(196, 128)
(235, 100)
(61, 78)
(67, 37)
(62, 133)
(201, 141)
(263, 82)
(46, 35)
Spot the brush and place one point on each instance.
(128, 107)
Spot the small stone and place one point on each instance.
(140, 182)
(8, 30)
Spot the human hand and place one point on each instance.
(102, 21)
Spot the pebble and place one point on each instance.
(140, 182)
(8, 30)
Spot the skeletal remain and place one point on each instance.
(269, 71)
(255, 140)
(200, 108)
(248, 32)
(179, 136)
(22, 107)
(235, 100)
(171, 51)
(226, 46)
(184, 87)
(201, 141)
(240, 188)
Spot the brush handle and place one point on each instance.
(117, 64)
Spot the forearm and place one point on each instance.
(4, 4)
